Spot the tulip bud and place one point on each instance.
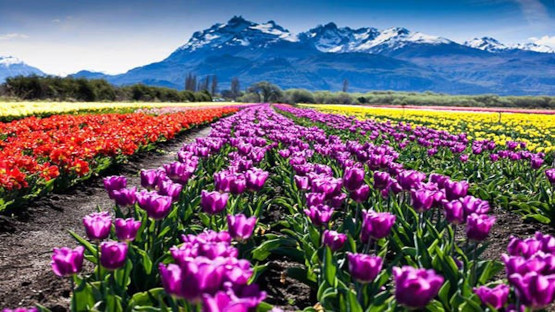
(113, 255)
(302, 182)
(334, 240)
(550, 174)
(353, 178)
(422, 200)
(364, 268)
(415, 288)
(495, 297)
(97, 225)
(361, 194)
(478, 226)
(256, 179)
(126, 229)
(454, 190)
(156, 206)
(319, 215)
(454, 212)
(114, 183)
(67, 261)
(240, 227)
(213, 202)
(376, 225)
(534, 290)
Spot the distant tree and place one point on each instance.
(235, 88)
(267, 92)
(345, 85)
(214, 85)
(203, 84)
(191, 82)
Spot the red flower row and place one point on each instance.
(34, 149)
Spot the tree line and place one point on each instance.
(92, 90)
(203, 89)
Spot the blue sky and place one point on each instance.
(64, 36)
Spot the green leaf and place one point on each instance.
(329, 267)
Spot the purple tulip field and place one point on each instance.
(357, 218)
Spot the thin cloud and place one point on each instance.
(56, 21)
(12, 36)
(534, 11)
(544, 40)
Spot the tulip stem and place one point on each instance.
(474, 265)
(73, 302)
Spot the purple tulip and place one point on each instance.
(353, 178)
(125, 197)
(315, 199)
(463, 157)
(494, 157)
(547, 241)
(179, 172)
(525, 248)
(364, 268)
(285, 153)
(536, 162)
(478, 226)
(334, 240)
(337, 201)
(240, 227)
(454, 211)
(213, 202)
(550, 174)
(97, 225)
(319, 215)
(126, 229)
(21, 310)
(222, 302)
(422, 200)
(376, 225)
(237, 184)
(495, 297)
(156, 206)
(256, 179)
(361, 194)
(168, 188)
(535, 291)
(472, 204)
(172, 279)
(410, 179)
(438, 179)
(302, 182)
(381, 180)
(114, 183)
(149, 178)
(415, 288)
(67, 261)
(454, 190)
(113, 255)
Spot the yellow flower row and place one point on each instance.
(22, 109)
(537, 130)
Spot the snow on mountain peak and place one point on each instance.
(486, 43)
(9, 60)
(534, 47)
(492, 45)
(238, 32)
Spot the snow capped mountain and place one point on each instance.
(533, 47)
(7, 61)
(492, 45)
(238, 32)
(11, 66)
(330, 38)
(487, 44)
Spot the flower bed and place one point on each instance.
(37, 155)
(367, 233)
